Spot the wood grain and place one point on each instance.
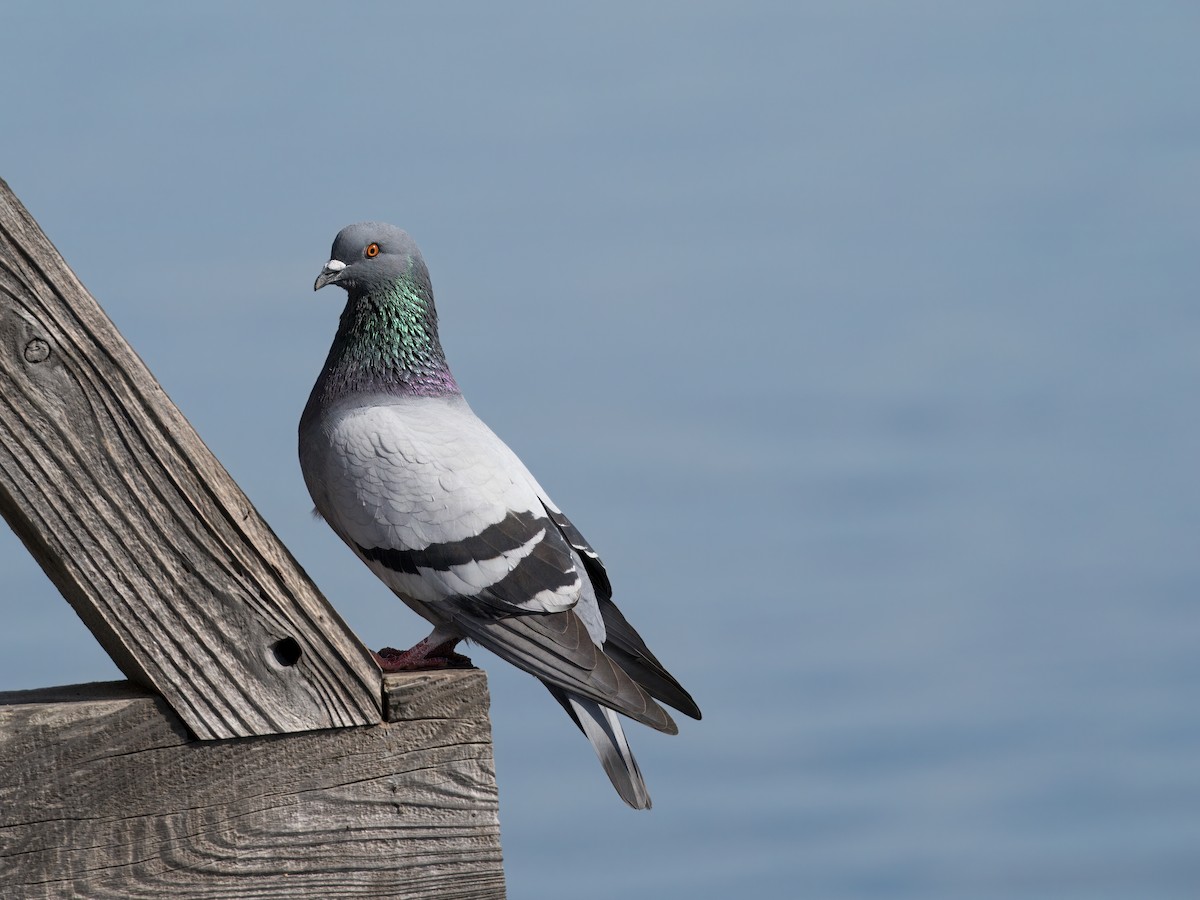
(104, 795)
(142, 529)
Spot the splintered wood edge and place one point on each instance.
(91, 692)
(446, 693)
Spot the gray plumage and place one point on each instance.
(450, 519)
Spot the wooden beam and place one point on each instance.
(142, 529)
(104, 795)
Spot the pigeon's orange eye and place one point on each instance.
(372, 251)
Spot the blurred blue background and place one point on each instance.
(862, 340)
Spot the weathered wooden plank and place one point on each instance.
(104, 795)
(143, 531)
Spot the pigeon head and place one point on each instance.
(387, 338)
(368, 256)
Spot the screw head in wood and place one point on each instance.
(37, 350)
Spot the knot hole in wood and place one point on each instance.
(287, 652)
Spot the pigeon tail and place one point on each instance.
(602, 728)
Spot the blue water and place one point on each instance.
(863, 343)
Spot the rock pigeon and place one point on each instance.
(450, 519)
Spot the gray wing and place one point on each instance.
(622, 643)
(558, 649)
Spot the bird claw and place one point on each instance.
(421, 657)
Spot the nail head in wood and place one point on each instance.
(37, 351)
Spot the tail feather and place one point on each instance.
(603, 729)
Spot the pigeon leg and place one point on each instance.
(434, 652)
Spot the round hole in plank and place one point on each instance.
(287, 652)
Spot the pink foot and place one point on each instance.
(422, 656)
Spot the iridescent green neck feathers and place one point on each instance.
(387, 342)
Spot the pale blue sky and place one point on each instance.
(862, 340)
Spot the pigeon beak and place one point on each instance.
(329, 274)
